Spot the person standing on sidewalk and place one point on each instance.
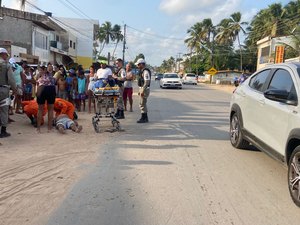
(120, 77)
(144, 88)
(128, 90)
(7, 81)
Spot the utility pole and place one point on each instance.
(124, 44)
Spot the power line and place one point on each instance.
(155, 35)
(59, 21)
(76, 10)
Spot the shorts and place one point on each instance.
(81, 96)
(19, 90)
(65, 122)
(46, 93)
(28, 89)
(127, 93)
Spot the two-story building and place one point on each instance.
(35, 38)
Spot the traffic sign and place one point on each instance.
(212, 71)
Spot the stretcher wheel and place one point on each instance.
(96, 125)
(116, 125)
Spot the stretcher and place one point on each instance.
(106, 100)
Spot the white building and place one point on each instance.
(85, 31)
(267, 49)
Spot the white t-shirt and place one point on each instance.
(103, 73)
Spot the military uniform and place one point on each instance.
(6, 82)
(144, 92)
(120, 102)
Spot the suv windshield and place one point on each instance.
(170, 76)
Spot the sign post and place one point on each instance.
(212, 71)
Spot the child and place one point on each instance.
(90, 84)
(81, 87)
(63, 122)
(62, 85)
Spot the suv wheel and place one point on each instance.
(294, 176)
(236, 136)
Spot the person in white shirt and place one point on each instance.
(103, 72)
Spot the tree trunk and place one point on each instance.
(241, 56)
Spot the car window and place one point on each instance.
(282, 80)
(190, 75)
(257, 82)
(170, 76)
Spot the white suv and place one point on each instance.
(265, 112)
(189, 78)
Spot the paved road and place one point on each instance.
(180, 169)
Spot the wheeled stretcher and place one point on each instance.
(106, 99)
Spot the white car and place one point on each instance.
(170, 80)
(265, 111)
(189, 78)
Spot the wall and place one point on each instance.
(18, 31)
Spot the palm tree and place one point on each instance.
(194, 39)
(235, 25)
(117, 36)
(105, 34)
(22, 4)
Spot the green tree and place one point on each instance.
(236, 26)
(118, 36)
(108, 33)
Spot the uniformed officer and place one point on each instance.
(6, 82)
(120, 77)
(144, 88)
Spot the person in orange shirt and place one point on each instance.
(62, 106)
(30, 108)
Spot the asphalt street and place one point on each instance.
(180, 168)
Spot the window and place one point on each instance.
(71, 43)
(282, 80)
(74, 45)
(264, 56)
(41, 40)
(257, 82)
(57, 38)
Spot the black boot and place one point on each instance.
(4, 133)
(121, 115)
(117, 113)
(144, 118)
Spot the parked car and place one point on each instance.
(265, 112)
(170, 80)
(158, 76)
(201, 78)
(190, 78)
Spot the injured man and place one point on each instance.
(63, 122)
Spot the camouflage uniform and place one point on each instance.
(6, 82)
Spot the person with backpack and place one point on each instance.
(144, 89)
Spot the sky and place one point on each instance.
(156, 28)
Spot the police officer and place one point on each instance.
(144, 88)
(6, 82)
(120, 77)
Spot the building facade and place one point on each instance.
(86, 32)
(35, 38)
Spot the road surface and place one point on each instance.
(179, 169)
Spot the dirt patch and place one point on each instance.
(38, 170)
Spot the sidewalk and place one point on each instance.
(222, 87)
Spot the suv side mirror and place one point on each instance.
(279, 96)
